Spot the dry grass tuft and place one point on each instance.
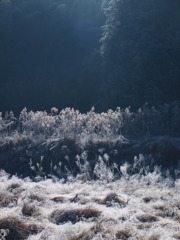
(177, 236)
(160, 207)
(36, 197)
(89, 234)
(147, 218)
(79, 199)
(177, 218)
(123, 234)
(13, 186)
(145, 225)
(74, 215)
(147, 199)
(112, 198)
(58, 199)
(28, 210)
(177, 204)
(18, 230)
(166, 211)
(7, 200)
(154, 236)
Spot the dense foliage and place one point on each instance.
(46, 53)
(80, 53)
(140, 46)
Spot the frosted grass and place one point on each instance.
(137, 207)
(117, 175)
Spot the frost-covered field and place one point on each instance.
(73, 176)
(70, 141)
(133, 207)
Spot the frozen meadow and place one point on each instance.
(74, 176)
(133, 207)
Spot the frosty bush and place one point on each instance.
(92, 127)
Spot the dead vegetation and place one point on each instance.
(13, 186)
(7, 199)
(37, 197)
(177, 236)
(89, 234)
(74, 215)
(110, 212)
(147, 199)
(123, 234)
(58, 199)
(154, 236)
(111, 199)
(167, 211)
(17, 229)
(29, 210)
(146, 218)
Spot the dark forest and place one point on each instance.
(76, 53)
